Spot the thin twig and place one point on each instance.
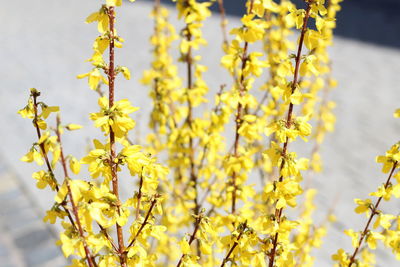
(89, 257)
(189, 119)
(104, 231)
(153, 203)
(139, 196)
(374, 211)
(46, 158)
(192, 237)
(238, 119)
(259, 106)
(223, 22)
(205, 150)
(225, 260)
(114, 175)
(215, 110)
(158, 100)
(278, 212)
(193, 177)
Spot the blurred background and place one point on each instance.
(44, 45)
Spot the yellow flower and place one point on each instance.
(46, 110)
(372, 237)
(72, 127)
(274, 153)
(312, 39)
(74, 165)
(185, 247)
(397, 113)
(98, 160)
(102, 18)
(205, 248)
(354, 237)
(249, 128)
(33, 155)
(94, 78)
(53, 214)
(364, 206)
(383, 192)
(341, 257)
(28, 111)
(384, 220)
(62, 193)
(125, 71)
(252, 30)
(116, 117)
(114, 2)
(44, 179)
(392, 156)
(135, 159)
(295, 17)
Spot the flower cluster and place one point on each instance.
(380, 225)
(204, 206)
(89, 209)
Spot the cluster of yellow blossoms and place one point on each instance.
(207, 208)
(90, 210)
(380, 225)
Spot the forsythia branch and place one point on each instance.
(90, 259)
(374, 211)
(278, 212)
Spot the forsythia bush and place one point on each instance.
(199, 206)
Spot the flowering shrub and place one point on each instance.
(197, 207)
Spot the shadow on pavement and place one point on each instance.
(374, 21)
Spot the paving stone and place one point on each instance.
(3, 250)
(11, 195)
(42, 255)
(55, 262)
(32, 238)
(25, 239)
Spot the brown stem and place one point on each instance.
(278, 212)
(189, 121)
(234, 246)
(114, 175)
(192, 238)
(205, 150)
(223, 21)
(193, 177)
(139, 196)
(157, 13)
(153, 203)
(89, 257)
(209, 187)
(238, 119)
(374, 211)
(260, 104)
(46, 158)
(104, 231)
(157, 5)
(216, 108)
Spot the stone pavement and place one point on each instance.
(44, 45)
(24, 240)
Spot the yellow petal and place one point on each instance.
(73, 126)
(397, 113)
